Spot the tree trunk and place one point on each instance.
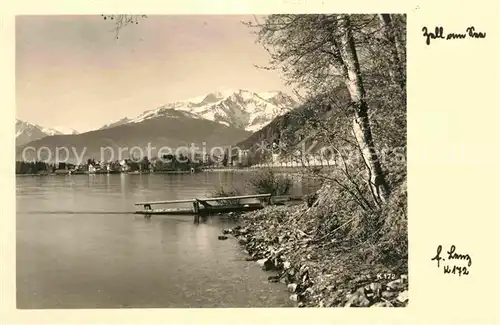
(399, 29)
(361, 122)
(397, 68)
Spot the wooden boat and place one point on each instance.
(203, 211)
(201, 206)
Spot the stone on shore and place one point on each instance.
(273, 278)
(358, 299)
(403, 296)
(266, 264)
(395, 285)
(278, 240)
(242, 240)
(292, 287)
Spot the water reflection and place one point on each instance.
(79, 246)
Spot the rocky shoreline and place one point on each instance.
(313, 274)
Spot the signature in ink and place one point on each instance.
(453, 259)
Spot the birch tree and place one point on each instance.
(361, 122)
(318, 52)
(396, 48)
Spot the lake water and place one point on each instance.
(80, 246)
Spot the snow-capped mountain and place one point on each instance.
(27, 132)
(59, 130)
(242, 109)
(124, 120)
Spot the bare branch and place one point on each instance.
(122, 21)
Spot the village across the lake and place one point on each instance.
(175, 164)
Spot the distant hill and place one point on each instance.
(173, 129)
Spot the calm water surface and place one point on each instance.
(80, 246)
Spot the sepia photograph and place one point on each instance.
(211, 161)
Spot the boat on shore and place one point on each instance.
(201, 206)
(203, 211)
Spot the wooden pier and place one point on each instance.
(201, 206)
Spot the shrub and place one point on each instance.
(393, 244)
(267, 181)
(226, 190)
(377, 235)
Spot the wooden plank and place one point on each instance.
(234, 197)
(167, 211)
(204, 203)
(206, 199)
(166, 202)
(286, 198)
(196, 207)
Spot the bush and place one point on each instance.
(378, 235)
(267, 181)
(393, 244)
(225, 190)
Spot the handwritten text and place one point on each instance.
(453, 262)
(438, 33)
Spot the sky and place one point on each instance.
(72, 72)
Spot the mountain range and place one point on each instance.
(289, 130)
(240, 108)
(215, 120)
(27, 132)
